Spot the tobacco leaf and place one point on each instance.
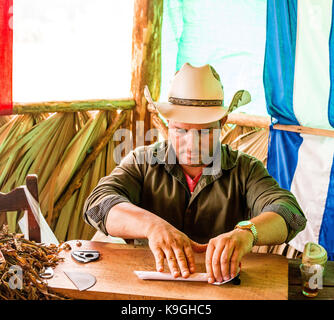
(21, 263)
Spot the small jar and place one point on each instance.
(314, 254)
(312, 269)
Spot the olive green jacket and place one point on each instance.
(240, 189)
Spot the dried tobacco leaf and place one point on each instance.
(21, 263)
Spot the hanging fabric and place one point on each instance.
(6, 56)
(298, 81)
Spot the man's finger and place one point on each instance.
(182, 262)
(190, 258)
(159, 259)
(225, 260)
(208, 262)
(216, 261)
(172, 263)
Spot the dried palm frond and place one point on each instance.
(72, 226)
(39, 150)
(110, 161)
(254, 143)
(77, 225)
(82, 118)
(36, 151)
(45, 162)
(65, 216)
(69, 163)
(230, 134)
(12, 131)
(38, 117)
(53, 146)
(4, 120)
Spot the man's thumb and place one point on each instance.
(197, 247)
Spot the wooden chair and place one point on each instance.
(16, 200)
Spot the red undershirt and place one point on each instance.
(192, 182)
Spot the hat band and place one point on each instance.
(195, 102)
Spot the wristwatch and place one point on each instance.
(248, 225)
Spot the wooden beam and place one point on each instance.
(306, 130)
(246, 120)
(73, 106)
(146, 61)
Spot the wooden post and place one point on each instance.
(146, 62)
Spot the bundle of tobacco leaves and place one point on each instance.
(21, 263)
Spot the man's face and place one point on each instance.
(194, 144)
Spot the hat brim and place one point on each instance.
(189, 114)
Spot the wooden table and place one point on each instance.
(326, 293)
(263, 276)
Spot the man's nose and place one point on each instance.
(192, 140)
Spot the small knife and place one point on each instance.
(82, 280)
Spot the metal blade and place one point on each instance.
(85, 255)
(82, 280)
(47, 273)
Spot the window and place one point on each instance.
(71, 49)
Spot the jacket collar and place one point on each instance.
(167, 157)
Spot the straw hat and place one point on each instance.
(196, 95)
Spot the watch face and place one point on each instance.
(244, 223)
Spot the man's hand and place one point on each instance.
(224, 253)
(165, 241)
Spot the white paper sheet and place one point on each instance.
(154, 275)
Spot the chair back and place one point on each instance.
(16, 200)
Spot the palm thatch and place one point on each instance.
(4, 120)
(54, 146)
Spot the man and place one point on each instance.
(194, 194)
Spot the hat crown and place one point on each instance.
(198, 83)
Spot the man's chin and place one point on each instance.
(192, 163)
